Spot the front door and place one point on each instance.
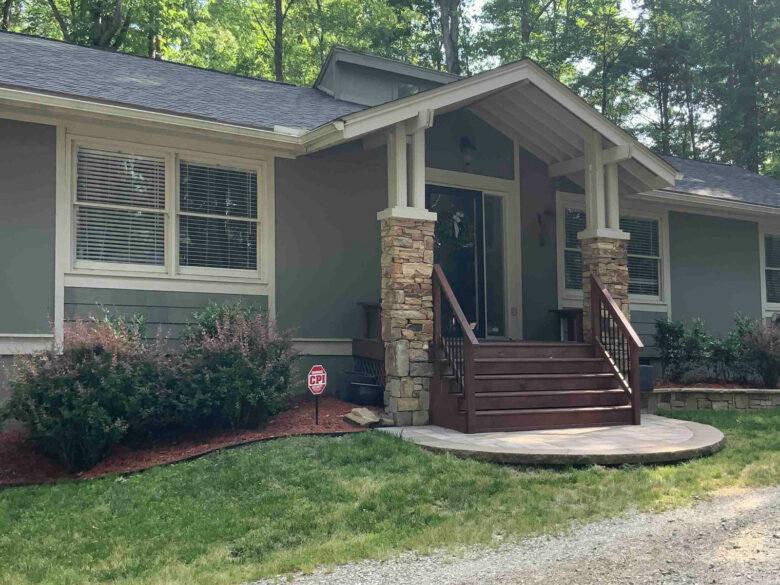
(457, 247)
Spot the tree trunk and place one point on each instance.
(5, 18)
(450, 31)
(748, 152)
(279, 15)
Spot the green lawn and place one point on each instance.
(297, 503)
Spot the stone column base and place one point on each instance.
(607, 259)
(407, 317)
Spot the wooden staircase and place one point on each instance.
(486, 386)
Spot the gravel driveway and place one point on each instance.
(732, 538)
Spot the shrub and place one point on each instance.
(683, 348)
(245, 362)
(762, 340)
(75, 403)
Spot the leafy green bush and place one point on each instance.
(683, 348)
(244, 361)
(75, 403)
(108, 385)
(762, 340)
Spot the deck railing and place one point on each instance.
(453, 339)
(617, 340)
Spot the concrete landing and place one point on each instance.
(656, 440)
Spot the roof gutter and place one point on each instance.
(282, 139)
(696, 200)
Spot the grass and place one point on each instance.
(297, 503)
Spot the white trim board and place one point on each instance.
(25, 343)
(326, 346)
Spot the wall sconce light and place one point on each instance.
(467, 149)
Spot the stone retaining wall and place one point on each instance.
(744, 399)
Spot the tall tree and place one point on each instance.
(97, 23)
(449, 17)
(5, 17)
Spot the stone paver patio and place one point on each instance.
(656, 440)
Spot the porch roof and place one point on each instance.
(529, 105)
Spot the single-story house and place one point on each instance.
(495, 245)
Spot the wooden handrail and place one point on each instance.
(453, 301)
(458, 351)
(617, 339)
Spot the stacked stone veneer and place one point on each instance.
(710, 399)
(607, 259)
(407, 317)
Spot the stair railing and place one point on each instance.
(617, 340)
(453, 340)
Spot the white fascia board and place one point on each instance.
(703, 201)
(281, 140)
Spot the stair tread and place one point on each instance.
(533, 344)
(553, 360)
(543, 376)
(555, 393)
(553, 410)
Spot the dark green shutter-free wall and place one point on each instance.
(715, 269)
(28, 168)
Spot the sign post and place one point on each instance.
(317, 380)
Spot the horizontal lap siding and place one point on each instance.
(644, 324)
(166, 312)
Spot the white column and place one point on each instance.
(594, 183)
(611, 192)
(418, 168)
(396, 167)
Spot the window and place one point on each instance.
(574, 223)
(119, 211)
(772, 268)
(644, 256)
(130, 214)
(217, 217)
(644, 253)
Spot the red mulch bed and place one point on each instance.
(21, 464)
(719, 385)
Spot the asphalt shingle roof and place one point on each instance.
(61, 68)
(725, 182)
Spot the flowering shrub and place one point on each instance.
(244, 361)
(108, 384)
(75, 403)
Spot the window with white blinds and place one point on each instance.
(772, 268)
(218, 223)
(119, 214)
(574, 223)
(644, 254)
(130, 214)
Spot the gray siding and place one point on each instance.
(27, 197)
(327, 240)
(164, 312)
(494, 151)
(538, 244)
(644, 323)
(714, 269)
(369, 86)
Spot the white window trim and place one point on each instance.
(119, 275)
(568, 298)
(765, 229)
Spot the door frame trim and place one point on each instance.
(509, 191)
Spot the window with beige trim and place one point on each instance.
(772, 268)
(644, 253)
(138, 211)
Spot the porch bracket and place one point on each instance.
(615, 154)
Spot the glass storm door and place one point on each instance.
(469, 246)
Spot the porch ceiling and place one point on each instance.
(552, 133)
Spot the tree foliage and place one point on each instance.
(694, 78)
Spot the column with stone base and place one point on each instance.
(407, 317)
(607, 259)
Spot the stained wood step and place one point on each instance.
(550, 418)
(551, 382)
(535, 365)
(533, 349)
(545, 399)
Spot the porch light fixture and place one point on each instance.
(467, 149)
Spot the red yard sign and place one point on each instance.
(318, 379)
